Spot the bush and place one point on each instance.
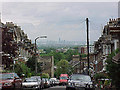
(21, 68)
(99, 76)
(113, 69)
(45, 75)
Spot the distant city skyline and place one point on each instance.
(60, 19)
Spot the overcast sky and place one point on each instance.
(60, 20)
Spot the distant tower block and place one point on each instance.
(119, 9)
(59, 39)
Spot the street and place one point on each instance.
(56, 88)
(50, 44)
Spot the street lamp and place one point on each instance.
(35, 52)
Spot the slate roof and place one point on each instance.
(116, 58)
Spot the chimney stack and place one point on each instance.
(110, 19)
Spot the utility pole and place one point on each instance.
(87, 43)
(80, 62)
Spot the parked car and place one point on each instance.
(39, 80)
(30, 83)
(51, 82)
(46, 82)
(79, 81)
(55, 81)
(10, 81)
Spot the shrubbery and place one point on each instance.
(21, 68)
(45, 75)
(113, 69)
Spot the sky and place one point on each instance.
(64, 20)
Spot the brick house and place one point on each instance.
(15, 44)
(78, 64)
(47, 64)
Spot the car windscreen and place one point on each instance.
(46, 79)
(30, 80)
(81, 78)
(53, 79)
(6, 76)
(63, 78)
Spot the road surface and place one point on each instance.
(56, 88)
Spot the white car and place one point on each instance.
(55, 81)
(30, 83)
(39, 80)
(46, 82)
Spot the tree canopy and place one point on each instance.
(63, 67)
(21, 68)
(45, 75)
(31, 64)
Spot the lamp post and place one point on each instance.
(36, 53)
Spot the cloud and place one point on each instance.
(66, 20)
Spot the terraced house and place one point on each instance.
(107, 43)
(15, 45)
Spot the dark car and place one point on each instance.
(79, 81)
(10, 81)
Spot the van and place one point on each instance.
(63, 79)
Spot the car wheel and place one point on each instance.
(43, 87)
(21, 88)
(14, 87)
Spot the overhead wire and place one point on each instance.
(95, 27)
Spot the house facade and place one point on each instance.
(47, 64)
(107, 43)
(15, 44)
(79, 64)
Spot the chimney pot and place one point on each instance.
(118, 19)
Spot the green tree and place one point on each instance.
(31, 64)
(70, 53)
(113, 69)
(57, 57)
(21, 68)
(48, 50)
(63, 67)
(45, 75)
